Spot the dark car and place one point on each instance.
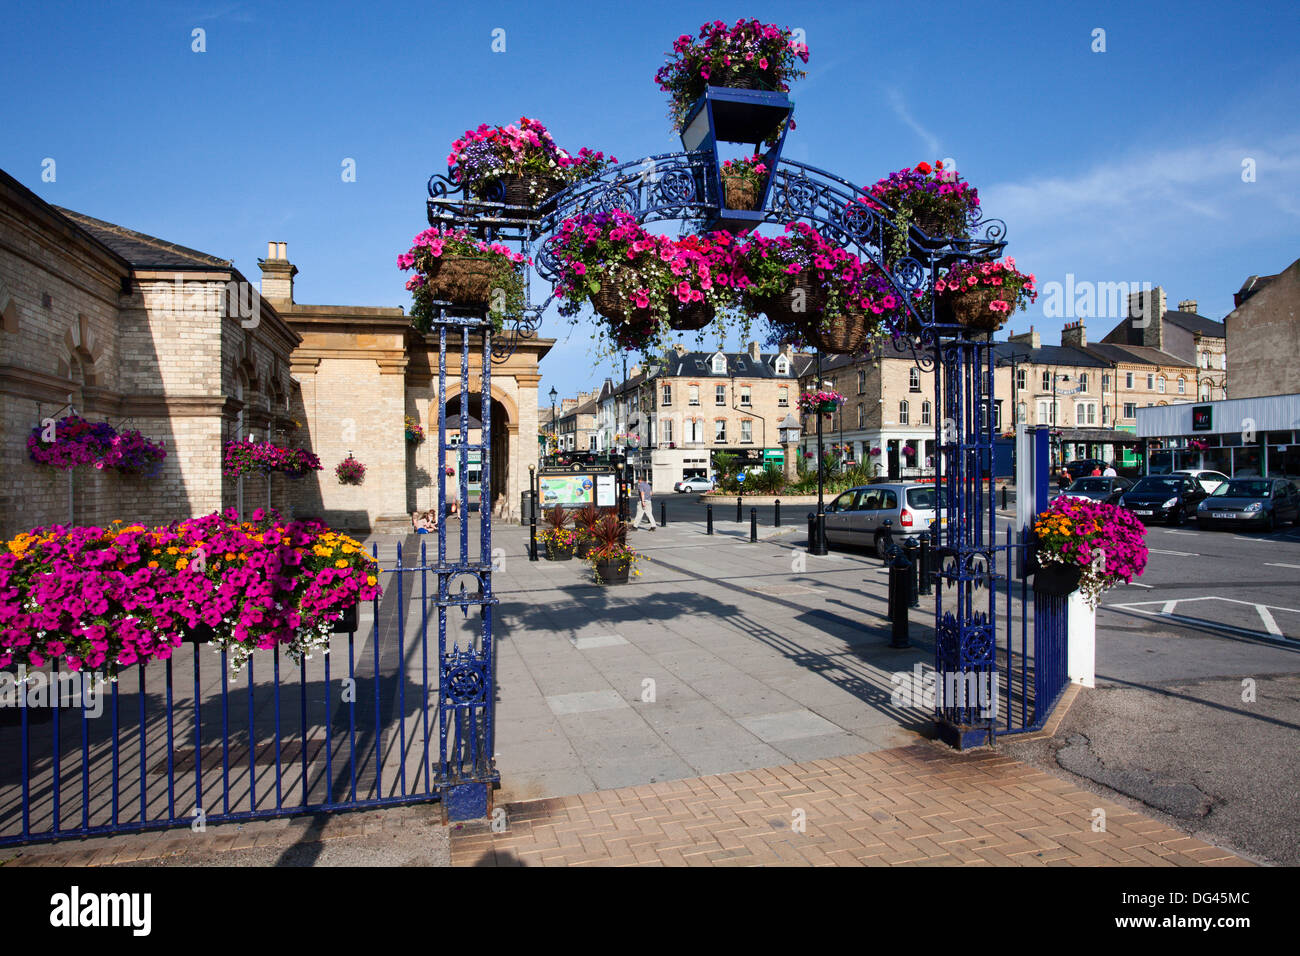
(1083, 467)
(1107, 490)
(1265, 503)
(1168, 498)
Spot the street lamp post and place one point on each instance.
(555, 438)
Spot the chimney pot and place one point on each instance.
(1187, 305)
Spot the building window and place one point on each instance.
(862, 415)
(720, 364)
(925, 413)
(1128, 379)
(1105, 383)
(1130, 410)
(1022, 414)
(1205, 393)
(695, 395)
(1022, 378)
(1044, 411)
(1160, 385)
(1182, 386)
(720, 431)
(667, 429)
(719, 395)
(744, 396)
(1151, 382)
(913, 380)
(668, 395)
(1083, 381)
(1105, 414)
(1078, 413)
(783, 396)
(746, 431)
(782, 365)
(862, 381)
(1047, 381)
(695, 431)
(997, 414)
(903, 413)
(1092, 413)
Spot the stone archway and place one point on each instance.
(503, 428)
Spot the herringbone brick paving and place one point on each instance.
(917, 805)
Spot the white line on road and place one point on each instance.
(1245, 632)
(1268, 620)
(1271, 564)
(1137, 584)
(1167, 531)
(1168, 607)
(1181, 554)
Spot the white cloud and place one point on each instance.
(899, 106)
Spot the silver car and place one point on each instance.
(857, 517)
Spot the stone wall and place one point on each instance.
(1263, 339)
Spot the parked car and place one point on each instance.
(1209, 479)
(857, 517)
(1266, 503)
(1107, 490)
(696, 483)
(1170, 498)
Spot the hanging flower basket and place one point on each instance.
(519, 165)
(414, 432)
(928, 205)
(529, 190)
(743, 182)
(982, 296)
(452, 266)
(689, 316)
(820, 403)
(840, 334)
(463, 280)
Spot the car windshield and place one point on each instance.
(1161, 484)
(1243, 488)
(922, 499)
(1091, 484)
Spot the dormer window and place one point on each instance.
(782, 365)
(719, 364)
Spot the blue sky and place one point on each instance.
(1117, 166)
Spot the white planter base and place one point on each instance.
(1081, 630)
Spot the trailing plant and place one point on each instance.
(935, 198)
(749, 54)
(247, 456)
(1014, 289)
(820, 403)
(414, 431)
(73, 441)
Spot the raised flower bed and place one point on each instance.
(748, 55)
(1087, 546)
(105, 598)
(452, 266)
(519, 165)
(981, 296)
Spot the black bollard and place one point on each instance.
(663, 514)
(812, 523)
(739, 517)
(887, 529)
(911, 548)
(1004, 497)
(898, 599)
(924, 558)
(776, 521)
(753, 524)
(708, 519)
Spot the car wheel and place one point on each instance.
(880, 546)
(1271, 526)
(1178, 517)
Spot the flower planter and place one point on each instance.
(199, 634)
(928, 223)
(613, 571)
(740, 193)
(840, 334)
(797, 306)
(529, 190)
(690, 316)
(464, 280)
(971, 309)
(347, 624)
(1057, 580)
(559, 552)
(581, 548)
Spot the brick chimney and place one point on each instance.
(277, 273)
(1146, 312)
(679, 349)
(1187, 305)
(1074, 335)
(754, 354)
(1030, 338)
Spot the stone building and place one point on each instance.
(179, 344)
(1189, 337)
(1263, 334)
(576, 424)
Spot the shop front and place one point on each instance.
(1245, 437)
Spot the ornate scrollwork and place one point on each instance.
(464, 678)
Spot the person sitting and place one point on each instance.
(423, 522)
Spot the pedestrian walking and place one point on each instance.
(1110, 472)
(1096, 471)
(643, 505)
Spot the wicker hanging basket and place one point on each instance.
(529, 190)
(464, 280)
(740, 193)
(800, 306)
(970, 309)
(690, 316)
(840, 334)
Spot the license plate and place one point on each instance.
(1222, 514)
(1142, 512)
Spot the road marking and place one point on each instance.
(1137, 584)
(1166, 531)
(1216, 597)
(1168, 607)
(1268, 620)
(1215, 625)
(1270, 564)
(1181, 554)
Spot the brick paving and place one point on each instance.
(919, 805)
